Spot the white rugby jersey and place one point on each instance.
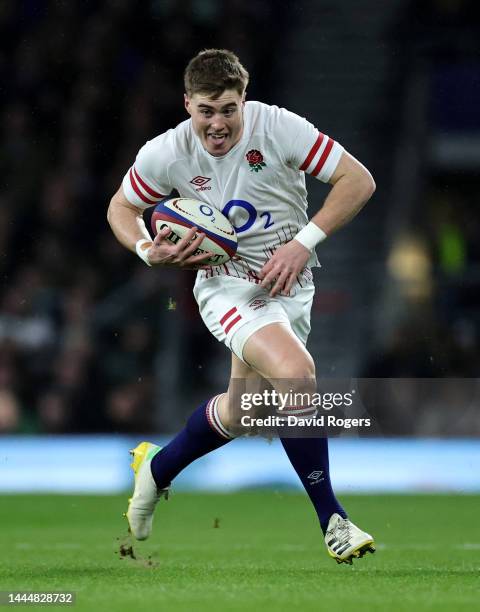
(259, 184)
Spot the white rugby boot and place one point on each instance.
(146, 493)
(345, 541)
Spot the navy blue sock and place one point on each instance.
(309, 457)
(203, 433)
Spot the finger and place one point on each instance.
(161, 236)
(269, 278)
(289, 284)
(279, 284)
(188, 250)
(267, 282)
(196, 265)
(266, 269)
(162, 260)
(195, 260)
(189, 244)
(189, 237)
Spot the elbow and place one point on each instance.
(369, 186)
(110, 212)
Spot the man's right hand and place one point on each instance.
(180, 255)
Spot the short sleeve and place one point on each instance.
(306, 148)
(147, 182)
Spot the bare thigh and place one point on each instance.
(276, 358)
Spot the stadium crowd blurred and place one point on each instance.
(85, 84)
(437, 258)
(88, 84)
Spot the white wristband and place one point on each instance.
(310, 236)
(143, 253)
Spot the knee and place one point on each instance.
(299, 369)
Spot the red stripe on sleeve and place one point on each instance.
(148, 189)
(323, 158)
(137, 190)
(227, 315)
(313, 151)
(232, 323)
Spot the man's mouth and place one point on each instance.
(217, 138)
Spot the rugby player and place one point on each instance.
(248, 160)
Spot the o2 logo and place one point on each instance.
(207, 212)
(252, 215)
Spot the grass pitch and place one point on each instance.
(246, 551)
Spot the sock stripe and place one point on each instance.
(214, 420)
(209, 415)
(219, 422)
(199, 437)
(303, 411)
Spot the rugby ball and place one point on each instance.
(181, 214)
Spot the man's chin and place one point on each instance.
(218, 151)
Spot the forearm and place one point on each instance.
(346, 198)
(127, 223)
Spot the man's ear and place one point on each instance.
(186, 101)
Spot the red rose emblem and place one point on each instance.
(255, 160)
(254, 157)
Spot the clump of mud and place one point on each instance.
(126, 551)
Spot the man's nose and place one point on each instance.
(217, 123)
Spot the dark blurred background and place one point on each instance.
(90, 339)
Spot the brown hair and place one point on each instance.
(212, 71)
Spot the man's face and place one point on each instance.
(217, 122)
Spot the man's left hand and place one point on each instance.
(281, 270)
